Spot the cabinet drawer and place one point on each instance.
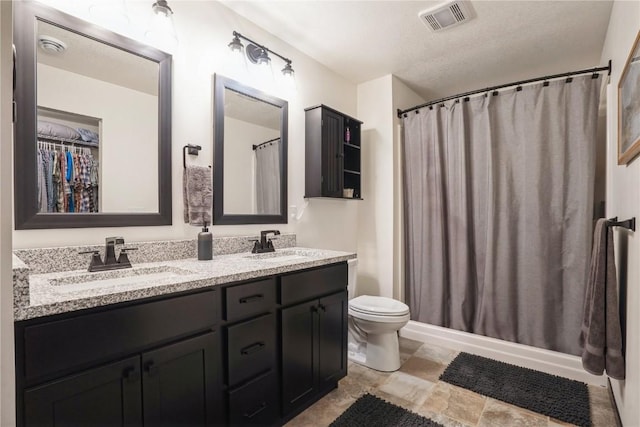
(249, 299)
(255, 403)
(309, 284)
(251, 348)
(85, 339)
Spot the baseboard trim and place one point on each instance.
(548, 361)
(614, 404)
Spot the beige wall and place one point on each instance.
(204, 29)
(623, 200)
(7, 375)
(375, 223)
(380, 259)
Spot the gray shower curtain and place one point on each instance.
(268, 178)
(498, 212)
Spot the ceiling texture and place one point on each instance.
(506, 41)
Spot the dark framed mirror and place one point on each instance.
(93, 125)
(250, 155)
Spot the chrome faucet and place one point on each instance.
(264, 244)
(110, 261)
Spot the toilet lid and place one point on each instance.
(378, 305)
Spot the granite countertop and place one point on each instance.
(37, 295)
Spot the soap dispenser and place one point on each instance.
(205, 244)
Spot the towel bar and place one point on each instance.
(629, 224)
(193, 150)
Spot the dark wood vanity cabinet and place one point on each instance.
(314, 335)
(170, 386)
(332, 157)
(248, 353)
(154, 363)
(251, 356)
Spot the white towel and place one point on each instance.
(601, 335)
(197, 195)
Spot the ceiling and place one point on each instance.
(506, 41)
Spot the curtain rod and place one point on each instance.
(255, 146)
(493, 88)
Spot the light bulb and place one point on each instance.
(161, 31)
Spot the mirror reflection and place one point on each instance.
(252, 146)
(88, 146)
(250, 182)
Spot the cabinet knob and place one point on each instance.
(314, 309)
(150, 368)
(130, 374)
(322, 307)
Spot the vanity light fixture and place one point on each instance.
(236, 45)
(259, 54)
(161, 29)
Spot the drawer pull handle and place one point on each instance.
(150, 368)
(259, 409)
(251, 298)
(252, 348)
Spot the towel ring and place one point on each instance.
(192, 149)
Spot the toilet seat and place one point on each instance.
(378, 306)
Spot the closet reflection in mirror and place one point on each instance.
(250, 159)
(252, 146)
(93, 155)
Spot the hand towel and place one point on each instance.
(197, 195)
(601, 336)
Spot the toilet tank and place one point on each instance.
(352, 265)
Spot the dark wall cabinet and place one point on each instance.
(250, 353)
(332, 158)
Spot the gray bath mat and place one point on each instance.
(557, 397)
(371, 411)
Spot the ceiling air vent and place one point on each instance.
(51, 44)
(447, 15)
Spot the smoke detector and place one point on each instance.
(447, 15)
(51, 45)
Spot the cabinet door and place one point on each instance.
(299, 351)
(104, 396)
(332, 338)
(180, 383)
(332, 156)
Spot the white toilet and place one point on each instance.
(374, 323)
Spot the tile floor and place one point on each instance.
(416, 387)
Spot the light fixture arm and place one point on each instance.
(237, 34)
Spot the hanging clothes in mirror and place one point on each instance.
(68, 179)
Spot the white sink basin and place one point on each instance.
(124, 276)
(284, 255)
